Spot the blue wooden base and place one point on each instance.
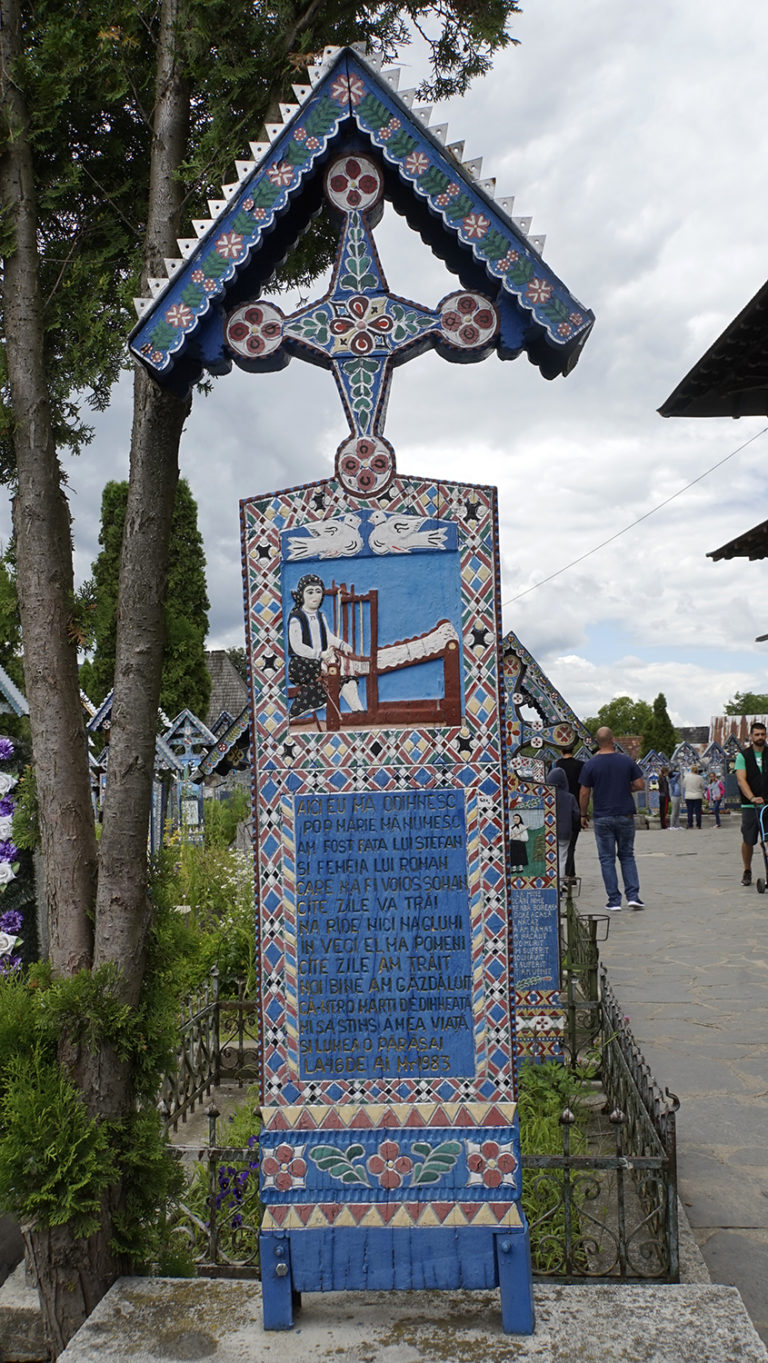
(384, 1260)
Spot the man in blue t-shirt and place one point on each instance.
(611, 777)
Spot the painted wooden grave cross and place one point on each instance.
(389, 1145)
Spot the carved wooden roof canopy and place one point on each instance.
(349, 110)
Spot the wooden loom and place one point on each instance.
(356, 621)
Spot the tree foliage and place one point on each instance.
(660, 733)
(87, 74)
(622, 715)
(117, 119)
(186, 682)
(747, 703)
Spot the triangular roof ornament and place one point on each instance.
(11, 698)
(349, 105)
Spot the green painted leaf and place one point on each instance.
(373, 112)
(338, 1163)
(438, 1162)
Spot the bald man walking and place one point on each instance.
(611, 777)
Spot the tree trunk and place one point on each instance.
(122, 915)
(70, 1274)
(44, 554)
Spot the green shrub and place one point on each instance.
(216, 884)
(545, 1090)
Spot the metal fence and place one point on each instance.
(604, 1208)
(607, 1209)
(218, 1044)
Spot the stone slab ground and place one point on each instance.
(156, 1320)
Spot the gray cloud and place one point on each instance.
(628, 133)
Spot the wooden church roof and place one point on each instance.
(348, 104)
(731, 379)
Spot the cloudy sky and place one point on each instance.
(632, 134)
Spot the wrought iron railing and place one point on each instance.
(216, 1221)
(218, 1044)
(607, 1204)
(580, 938)
(609, 1209)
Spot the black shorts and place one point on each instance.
(750, 827)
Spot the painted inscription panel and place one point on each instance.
(535, 921)
(383, 935)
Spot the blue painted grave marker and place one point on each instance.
(389, 1147)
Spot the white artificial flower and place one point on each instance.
(7, 873)
(7, 943)
(6, 827)
(7, 782)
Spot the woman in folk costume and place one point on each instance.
(311, 645)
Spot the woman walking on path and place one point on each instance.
(693, 794)
(715, 792)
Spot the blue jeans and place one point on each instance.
(615, 836)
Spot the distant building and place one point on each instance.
(698, 735)
(229, 693)
(721, 727)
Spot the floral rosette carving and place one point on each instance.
(491, 1163)
(284, 1167)
(353, 184)
(255, 330)
(388, 1165)
(365, 465)
(468, 320)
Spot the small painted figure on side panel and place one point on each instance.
(311, 645)
(518, 844)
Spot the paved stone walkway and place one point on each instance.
(691, 970)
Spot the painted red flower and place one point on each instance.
(475, 225)
(178, 315)
(468, 319)
(490, 1163)
(285, 1168)
(229, 245)
(538, 291)
(416, 163)
(281, 174)
(347, 87)
(353, 183)
(388, 1165)
(363, 323)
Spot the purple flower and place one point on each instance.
(7, 807)
(11, 922)
(9, 965)
(8, 851)
(6, 749)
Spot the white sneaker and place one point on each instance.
(636, 903)
(614, 908)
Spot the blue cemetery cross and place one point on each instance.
(362, 331)
(389, 1148)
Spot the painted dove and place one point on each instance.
(401, 534)
(327, 539)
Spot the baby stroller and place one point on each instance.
(760, 883)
